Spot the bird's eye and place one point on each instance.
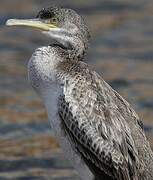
(54, 20)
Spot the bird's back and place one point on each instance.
(102, 126)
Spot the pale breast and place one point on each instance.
(42, 67)
(50, 99)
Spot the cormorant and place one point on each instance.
(96, 128)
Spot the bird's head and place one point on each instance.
(64, 26)
(70, 40)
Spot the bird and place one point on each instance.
(99, 132)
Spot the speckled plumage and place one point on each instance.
(95, 126)
(93, 121)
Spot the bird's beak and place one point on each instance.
(34, 23)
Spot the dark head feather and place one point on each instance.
(47, 13)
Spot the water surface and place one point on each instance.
(121, 51)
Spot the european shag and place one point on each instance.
(97, 129)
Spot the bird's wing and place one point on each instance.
(96, 128)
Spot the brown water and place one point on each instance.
(121, 50)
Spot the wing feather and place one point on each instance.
(96, 127)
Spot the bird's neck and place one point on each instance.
(77, 53)
(74, 52)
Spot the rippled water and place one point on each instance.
(121, 51)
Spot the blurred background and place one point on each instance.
(121, 51)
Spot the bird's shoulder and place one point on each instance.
(93, 121)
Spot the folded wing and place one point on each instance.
(96, 128)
